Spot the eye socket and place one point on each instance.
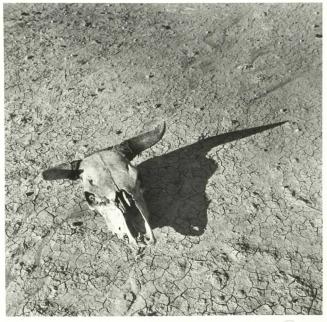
(90, 198)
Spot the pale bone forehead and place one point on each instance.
(106, 172)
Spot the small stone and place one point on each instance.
(77, 223)
(167, 27)
(245, 67)
(318, 35)
(29, 193)
(119, 132)
(242, 292)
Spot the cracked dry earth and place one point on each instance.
(237, 217)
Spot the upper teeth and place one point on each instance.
(126, 198)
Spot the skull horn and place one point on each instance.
(63, 171)
(134, 146)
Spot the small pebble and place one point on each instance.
(195, 228)
(167, 27)
(77, 223)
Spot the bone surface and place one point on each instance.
(112, 186)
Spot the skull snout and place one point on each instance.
(136, 218)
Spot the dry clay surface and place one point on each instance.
(236, 212)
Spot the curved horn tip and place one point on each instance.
(161, 128)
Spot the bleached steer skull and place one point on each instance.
(112, 186)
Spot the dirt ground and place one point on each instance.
(236, 211)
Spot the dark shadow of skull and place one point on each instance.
(176, 182)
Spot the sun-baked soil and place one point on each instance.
(237, 218)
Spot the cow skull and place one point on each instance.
(113, 188)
